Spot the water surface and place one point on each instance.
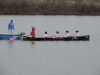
(51, 57)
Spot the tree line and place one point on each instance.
(49, 7)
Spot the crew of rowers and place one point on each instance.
(33, 33)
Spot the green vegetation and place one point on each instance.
(50, 7)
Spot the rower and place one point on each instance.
(57, 34)
(33, 32)
(77, 33)
(45, 34)
(67, 34)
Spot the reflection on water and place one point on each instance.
(10, 44)
(33, 42)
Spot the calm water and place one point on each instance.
(51, 58)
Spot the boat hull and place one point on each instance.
(8, 36)
(81, 38)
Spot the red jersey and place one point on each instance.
(33, 32)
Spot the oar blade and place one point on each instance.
(11, 39)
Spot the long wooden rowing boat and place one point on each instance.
(8, 36)
(81, 38)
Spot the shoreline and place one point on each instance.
(49, 7)
(45, 15)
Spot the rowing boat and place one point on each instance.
(71, 38)
(8, 36)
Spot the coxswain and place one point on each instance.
(34, 29)
(33, 32)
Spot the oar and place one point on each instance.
(43, 37)
(13, 38)
(48, 36)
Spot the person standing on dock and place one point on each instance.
(10, 27)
